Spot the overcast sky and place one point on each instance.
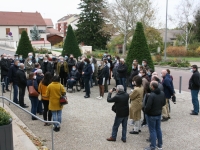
(59, 8)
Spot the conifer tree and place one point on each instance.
(91, 23)
(35, 35)
(70, 44)
(24, 46)
(139, 49)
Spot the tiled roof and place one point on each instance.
(53, 31)
(48, 22)
(21, 19)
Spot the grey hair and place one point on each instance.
(120, 88)
(122, 59)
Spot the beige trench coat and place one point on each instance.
(136, 98)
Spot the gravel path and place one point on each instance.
(86, 123)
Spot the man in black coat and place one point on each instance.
(4, 71)
(121, 108)
(153, 110)
(122, 70)
(71, 62)
(22, 81)
(46, 66)
(194, 85)
(13, 79)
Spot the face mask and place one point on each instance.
(45, 60)
(5, 57)
(30, 62)
(53, 57)
(149, 73)
(41, 57)
(191, 70)
(36, 59)
(66, 56)
(108, 57)
(15, 58)
(73, 68)
(18, 64)
(34, 77)
(20, 58)
(133, 67)
(117, 62)
(30, 57)
(104, 54)
(140, 74)
(161, 75)
(99, 65)
(85, 63)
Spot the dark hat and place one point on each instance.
(16, 55)
(194, 66)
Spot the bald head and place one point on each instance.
(21, 66)
(164, 72)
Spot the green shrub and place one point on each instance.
(193, 46)
(41, 51)
(5, 117)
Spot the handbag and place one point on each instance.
(114, 109)
(32, 91)
(63, 99)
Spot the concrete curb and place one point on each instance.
(20, 139)
(176, 68)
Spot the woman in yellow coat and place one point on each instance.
(136, 98)
(54, 92)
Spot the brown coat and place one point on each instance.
(59, 66)
(136, 98)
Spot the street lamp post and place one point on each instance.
(166, 29)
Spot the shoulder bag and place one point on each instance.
(63, 99)
(32, 91)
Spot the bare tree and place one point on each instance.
(184, 19)
(124, 14)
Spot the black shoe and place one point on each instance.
(164, 119)
(193, 113)
(16, 102)
(123, 140)
(24, 106)
(87, 96)
(148, 140)
(41, 113)
(8, 90)
(58, 128)
(4, 91)
(34, 119)
(134, 132)
(84, 91)
(138, 130)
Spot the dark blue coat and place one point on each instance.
(74, 74)
(12, 74)
(168, 86)
(32, 82)
(87, 71)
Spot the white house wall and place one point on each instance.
(15, 32)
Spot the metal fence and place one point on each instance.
(10, 101)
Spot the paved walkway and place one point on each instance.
(86, 123)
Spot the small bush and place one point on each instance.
(191, 53)
(198, 51)
(41, 50)
(176, 51)
(5, 118)
(193, 46)
(158, 58)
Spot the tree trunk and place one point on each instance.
(124, 45)
(186, 38)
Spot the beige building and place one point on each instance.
(13, 23)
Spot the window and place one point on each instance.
(40, 31)
(22, 29)
(7, 31)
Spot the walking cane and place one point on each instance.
(10, 92)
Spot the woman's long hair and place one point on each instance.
(47, 79)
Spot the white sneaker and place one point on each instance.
(159, 148)
(98, 97)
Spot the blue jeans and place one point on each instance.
(117, 122)
(15, 93)
(70, 83)
(39, 107)
(57, 116)
(5, 80)
(122, 81)
(155, 130)
(195, 100)
(34, 104)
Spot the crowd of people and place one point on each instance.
(50, 75)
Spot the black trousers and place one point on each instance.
(87, 86)
(46, 110)
(21, 95)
